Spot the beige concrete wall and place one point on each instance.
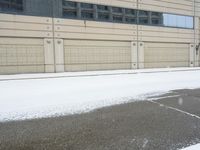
(83, 55)
(25, 26)
(197, 8)
(163, 34)
(76, 45)
(21, 55)
(80, 29)
(23, 45)
(159, 55)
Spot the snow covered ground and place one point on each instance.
(194, 147)
(67, 94)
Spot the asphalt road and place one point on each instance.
(167, 123)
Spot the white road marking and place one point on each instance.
(175, 109)
(163, 97)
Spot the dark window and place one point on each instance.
(143, 21)
(155, 21)
(70, 13)
(155, 14)
(87, 11)
(11, 5)
(86, 6)
(116, 10)
(143, 13)
(69, 4)
(130, 20)
(102, 8)
(117, 14)
(130, 16)
(103, 12)
(87, 15)
(143, 17)
(117, 18)
(156, 18)
(103, 16)
(69, 9)
(130, 12)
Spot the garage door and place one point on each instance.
(84, 55)
(161, 55)
(20, 55)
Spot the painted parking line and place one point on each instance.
(174, 109)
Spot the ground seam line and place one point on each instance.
(176, 109)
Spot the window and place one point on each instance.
(178, 21)
(156, 18)
(189, 22)
(103, 12)
(169, 20)
(143, 17)
(117, 14)
(130, 16)
(87, 11)
(11, 5)
(70, 9)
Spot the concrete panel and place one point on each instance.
(84, 55)
(21, 55)
(25, 26)
(161, 55)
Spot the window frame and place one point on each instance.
(126, 15)
(116, 15)
(103, 12)
(86, 10)
(147, 16)
(66, 9)
(167, 21)
(158, 17)
(12, 7)
(130, 16)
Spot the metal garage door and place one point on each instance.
(21, 55)
(161, 55)
(84, 55)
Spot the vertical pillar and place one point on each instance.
(141, 55)
(192, 55)
(134, 55)
(49, 55)
(59, 55)
(197, 41)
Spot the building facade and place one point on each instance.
(83, 35)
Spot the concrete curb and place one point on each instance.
(92, 74)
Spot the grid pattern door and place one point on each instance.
(162, 55)
(85, 55)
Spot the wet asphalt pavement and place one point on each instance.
(168, 123)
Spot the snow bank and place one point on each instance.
(194, 147)
(27, 99)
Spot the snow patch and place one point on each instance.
(194, 147)
(27, 99)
